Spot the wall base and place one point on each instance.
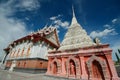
(28, 70)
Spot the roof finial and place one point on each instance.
(74, 20)
(73, 11)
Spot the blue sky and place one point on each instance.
(99, 18)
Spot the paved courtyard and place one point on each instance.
(6, 75)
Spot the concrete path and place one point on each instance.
(7, 75)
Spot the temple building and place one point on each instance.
(28, 54)
(79, 57)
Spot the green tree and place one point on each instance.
(119, 51)
(118, 59)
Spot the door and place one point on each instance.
(55, 69)
(97, 73)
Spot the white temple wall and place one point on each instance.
(34, 51)
(39, 51)
(43, 52)
(18, 50)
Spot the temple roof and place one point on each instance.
(76, 37)
(47, 34)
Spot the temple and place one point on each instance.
(29, 53)
(78, 57)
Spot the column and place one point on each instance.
(22, 52)
(14, 54)
(83, 70)
(28, 52)
(63, 67)
(17, 53)
(112, 67)
(48, 68)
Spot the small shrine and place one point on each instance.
(78, 57)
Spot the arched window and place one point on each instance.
(18, 64)
(72, 68)
(41, 64)
(55, 69)
(24, 64)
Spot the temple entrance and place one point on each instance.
(55, 69)
(97, 72)
(72, 68)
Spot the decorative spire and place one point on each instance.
(76, 36)
(74, 20)
(73, 11)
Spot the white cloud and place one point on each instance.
(107, 26)
(103, 33)
(65, 24)
(58, 22)
(10, 29)
(29, 5)
(27, 18)
(21, 5)
(114, 20)
(54, 17)
(109, 29)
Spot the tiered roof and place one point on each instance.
(76, 37)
